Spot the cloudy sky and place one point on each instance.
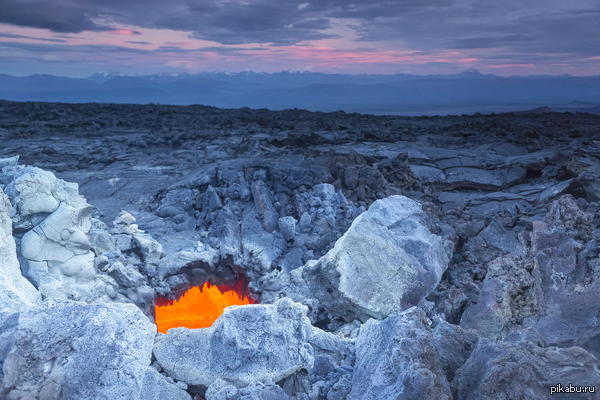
(504, 37)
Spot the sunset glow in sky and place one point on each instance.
(82, 37)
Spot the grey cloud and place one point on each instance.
(514, 26)
(15, 36)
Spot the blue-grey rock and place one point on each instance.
(388, 260)
(397, 359)
(156, 386)
(69, 350)
(266, 342)
(221, 390)
(524, 370)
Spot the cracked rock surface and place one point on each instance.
(432, 257)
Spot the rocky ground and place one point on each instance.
(394, 258)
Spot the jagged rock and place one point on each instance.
(387, 260)
(397, 358)
(16, 292)
(287, 227)
(260, 248)
(149, 248)
(71, 350)
(264, 205)
(246, 344)
(9, 162)
(507, 299)
(53, 222)
(156, 386)
(524, 370)
(221, 390)
(331, 375)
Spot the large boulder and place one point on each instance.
(16, 292)
(52, 221)
(524, 371)
(247, 343)
(71, 350)
(387, 260)
(401, 357)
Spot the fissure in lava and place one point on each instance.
(200, 306)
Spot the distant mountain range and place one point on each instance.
(467, 92)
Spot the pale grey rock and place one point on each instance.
(9, 161)
(260, 248)
(397, 358)
(221, 390)
(35, 193)
(16, 292)
(71, 350)
(156, 386)
(524, 371)
(264, 205)
(287, 227)
(387, 260)
(52, 221)
(175, 263)
(250, 343)
(150, 249)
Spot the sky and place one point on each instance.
(503, 37)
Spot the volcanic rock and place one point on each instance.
(221, 390)
(399, 357)
(16, 292)
(155, 386)
(71, 350)
(524, 370)
(246, 344)
(53, 221)
(387, 260)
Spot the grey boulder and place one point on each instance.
(397, 358)
(387, 260)
(157, 387)
(71, 350)
(247, 343)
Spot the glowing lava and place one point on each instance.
(200, 306)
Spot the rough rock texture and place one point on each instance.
(551, 289)
(155, 386)
(71, 350)
(16, 292)
(214, 194)
(524, 370)
(51, 221)
(399, 358)
(387, 260)
(246, 344)
(221, 390)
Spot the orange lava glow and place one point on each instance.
(200, 306)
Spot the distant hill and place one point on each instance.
(467, 92)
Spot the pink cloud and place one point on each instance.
(125, 32)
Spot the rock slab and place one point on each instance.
(74, 351)
(246, 344)
(387, 260)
